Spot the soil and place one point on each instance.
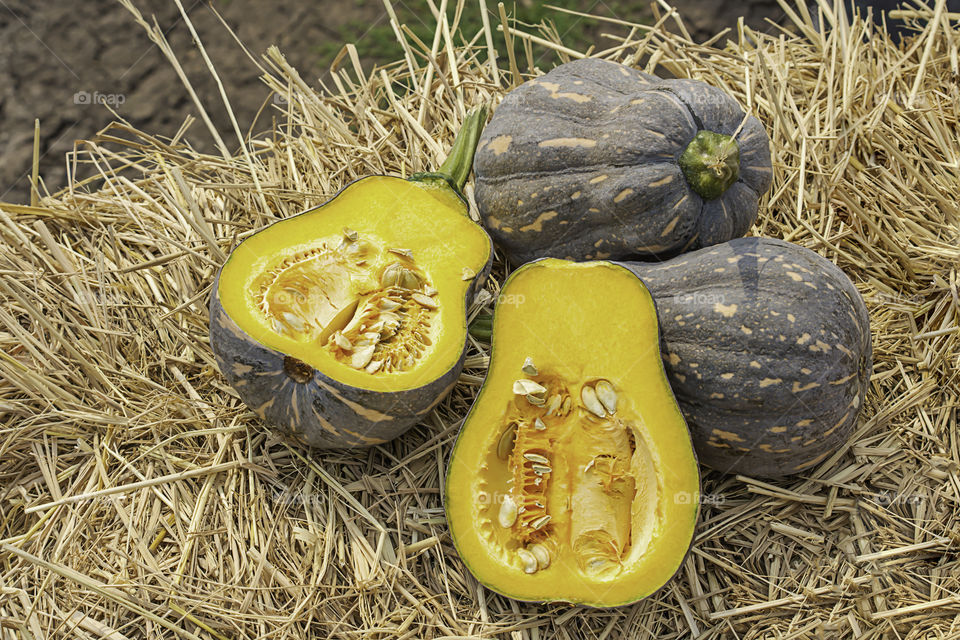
(67, 63)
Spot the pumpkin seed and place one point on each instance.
(589, 398)
(607, 395)
(539, 425)
(362, 357)
(553, 404)
(536, 457)
(350, 234)
(528, 560)
(508, 512)
(342, 341)
(406, 253)
(424, 301)
(540, 522)
(374, 366)
(535, 401)
(528, 388)
(565, 409)
(391, 275)
(468, 274)
(386, 304)
(528, 367)
(507, 439)
(409, 280)
(430, 291)
(540, 469)
(542, 554)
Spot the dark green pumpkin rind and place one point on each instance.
(535, 194)
(767, 347)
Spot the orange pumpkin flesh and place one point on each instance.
(574, 477)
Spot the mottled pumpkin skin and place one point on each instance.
(767, 347)
(582, 163)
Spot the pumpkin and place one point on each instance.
(767, 347)
(573, 477)
(598, 160)
(346, 324)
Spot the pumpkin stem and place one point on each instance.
(711, 163)
(456, 167)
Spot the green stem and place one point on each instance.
(456, 167)
(711, 163)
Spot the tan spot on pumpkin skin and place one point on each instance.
(368, 414)
(493, 221)
(500, 144)
(727, 435)
(262, 409)
(769, 382)
(806, 422)
(838, 425)
(599, 178)
(804, 339)
(673, 358)
(240, 369)
(556, 94)
(754, 364)
(593, 210)
(719, 270)
(797, 387)
(805, 371)
(734, 259)
(727, 311)
(569, 142)
(670, 225)
(662, 181)
(574, 195)
(822, 346)
(506, 229)
(637, 101)
(778, 429)
(726, 376)
(716, 396)
(747, 330)
(680, 377)
(537, 225)
(620, 197)
(843, 380)
(842, 349)
(791, 317)
(602, 255)
(796, 277)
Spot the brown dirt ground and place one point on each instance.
(59, 58)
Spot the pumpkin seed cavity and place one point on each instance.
(577, 478)
(369, 305)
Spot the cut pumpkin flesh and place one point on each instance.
(574, 477)
(369, 288)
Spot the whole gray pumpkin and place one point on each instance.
(598, 160)
(767, 347)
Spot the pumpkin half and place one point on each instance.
(597, 160)
(573, 477)
(767, 347)
(344, 325)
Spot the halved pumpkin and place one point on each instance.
(344, 325)
(573, 477)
